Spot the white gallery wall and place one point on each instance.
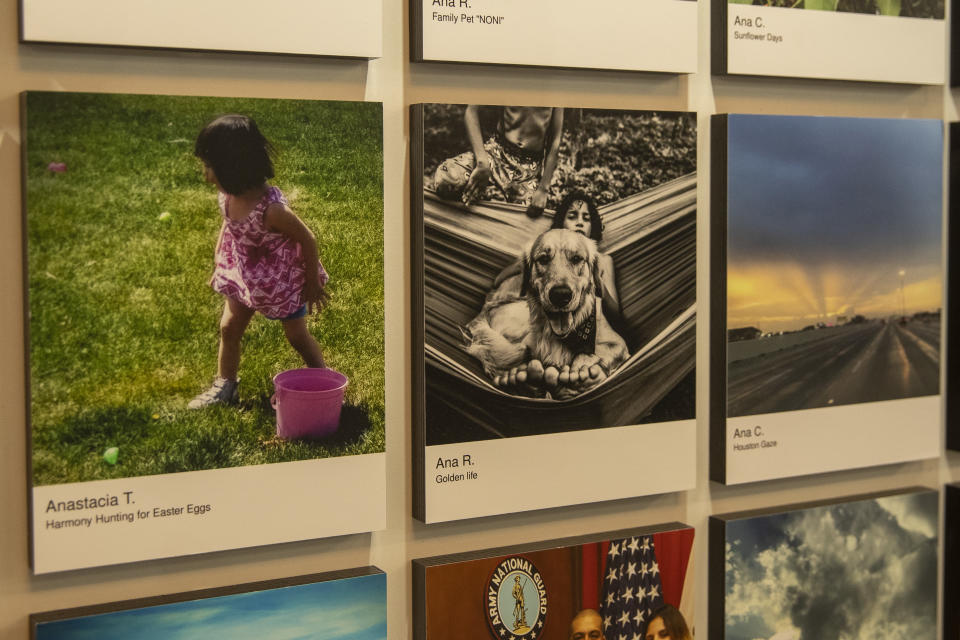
(397, 83)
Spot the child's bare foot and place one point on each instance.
(586, 377)
(568, 381)
(527, 379)
(534, 379)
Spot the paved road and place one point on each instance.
(863, 363)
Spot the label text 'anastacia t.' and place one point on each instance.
(89, 502)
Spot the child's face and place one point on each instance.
(578, 218)
(210, 176)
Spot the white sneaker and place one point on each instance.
(222, 391)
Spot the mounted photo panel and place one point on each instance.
(554, 306)
(869, 40)
(951, 561)
(864, 567)
(629, 584)
(175, 240)
(827, 289)
(296, 27)
(954, 45)
(952, 350)
(341, 605)
(653, 35)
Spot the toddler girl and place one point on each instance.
(266, 258)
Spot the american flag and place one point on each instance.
(631, 588)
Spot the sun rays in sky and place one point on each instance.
(825, 214)
(788, 296)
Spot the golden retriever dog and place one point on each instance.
(544, 330)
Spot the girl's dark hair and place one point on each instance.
(233, 147)
(596, 224)
(673, 622)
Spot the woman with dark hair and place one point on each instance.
(667, 623)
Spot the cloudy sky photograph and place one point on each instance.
(853, 571)
(347, 609)
(825, 214)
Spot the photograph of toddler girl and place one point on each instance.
(168, 235)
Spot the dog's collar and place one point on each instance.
(583, 339)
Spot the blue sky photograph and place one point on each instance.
(346, 609)
(850, 571)
(825, 214)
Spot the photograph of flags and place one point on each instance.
(640, 574)
(647, 568)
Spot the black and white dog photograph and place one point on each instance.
(558, 253)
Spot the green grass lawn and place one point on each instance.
(123, 325)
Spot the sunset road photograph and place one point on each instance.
(834, 275)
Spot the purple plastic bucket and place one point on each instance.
(308, 402)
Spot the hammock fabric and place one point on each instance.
(650, 236)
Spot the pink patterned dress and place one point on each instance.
(262, 269)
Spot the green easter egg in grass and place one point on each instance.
(110, 455)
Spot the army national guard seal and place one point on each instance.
(516, 600)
